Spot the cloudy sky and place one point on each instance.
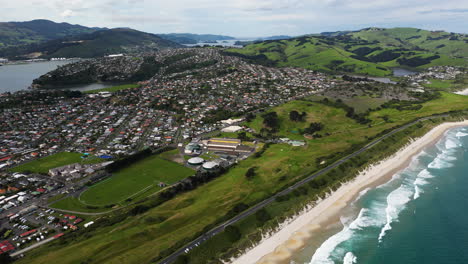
(244, 18)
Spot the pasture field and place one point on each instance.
(43, 165)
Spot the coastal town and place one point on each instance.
(179, 109)
(197, 112)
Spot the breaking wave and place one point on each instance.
(382, 205)
(349, 258)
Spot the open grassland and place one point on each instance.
(369, 51)
(113, 88)
(314, 55)
(43, 165)
(138, 177)
(73, 204)
(160, 228)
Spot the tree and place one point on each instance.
(242, 136)
(249, 117)
(250, 173)
(294, 116)
(182, 259)
(5, 258)
(313, 127)
(262, 216)
(271, 121)
(232, 233)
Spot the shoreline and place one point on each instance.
(293, 235)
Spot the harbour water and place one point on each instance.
(399, 72)
(419, 216)
(17, 77)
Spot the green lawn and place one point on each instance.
(189, 213)
(43, 165)
(362, 103)
(113, 88)
(128, 182)
(73, 204)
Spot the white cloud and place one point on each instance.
(67, 13)
(240, 17)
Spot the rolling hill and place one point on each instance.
(369, 51)
(35, 31)
(96, 44)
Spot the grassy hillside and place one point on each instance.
(155, 231)
(451, 44)
(96, 44)
(312, 53)
(369, 51)
(20, 33)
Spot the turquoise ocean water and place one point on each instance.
(420, 216)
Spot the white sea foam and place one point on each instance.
(417, 192)
(442, 161)
(461, 134)
(323, 253)
(425, 174)
(349, 258)
(396, 202)
(451, 143)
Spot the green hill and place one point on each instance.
(96, 44)
(35, 31)
(451, 44)
(369, 51)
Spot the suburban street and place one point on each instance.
(264, 203)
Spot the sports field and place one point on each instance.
(43, 165)
(139, 178)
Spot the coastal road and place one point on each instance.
(195, 243)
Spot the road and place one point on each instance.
(171, 258)
(38, 244)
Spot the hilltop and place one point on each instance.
(371, 51)
(96, 44)
(40, 30)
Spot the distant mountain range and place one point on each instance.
(188, 38)
(35, 31)
(47, 39)
(372, 51)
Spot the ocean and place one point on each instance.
(420, 216)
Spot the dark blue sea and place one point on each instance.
(420, 216)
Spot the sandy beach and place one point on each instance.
(279, 248)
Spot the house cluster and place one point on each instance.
(17, 188)
(76, 170)
(163, 111)
(435, 73)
